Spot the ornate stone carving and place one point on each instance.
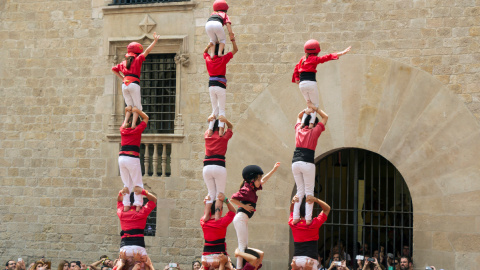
(178, 124)
(147, 24)
(182, 59)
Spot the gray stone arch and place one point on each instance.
(387, 107)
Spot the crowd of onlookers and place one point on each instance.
(337, 260)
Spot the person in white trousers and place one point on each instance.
(303, 166)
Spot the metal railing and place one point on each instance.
(135, 2)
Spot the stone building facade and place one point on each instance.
(409, 91)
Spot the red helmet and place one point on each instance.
(312, 46)
(135, 47)
(220, 5)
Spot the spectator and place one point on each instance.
(372, 265)
(405, 251)
(62, 265)
(196, 265)
(320, 262)
(405, 263)
(10, 265)
(103, 262)
(20, 265)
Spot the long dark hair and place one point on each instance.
(250, 180)
(129, 61)
(307, 55)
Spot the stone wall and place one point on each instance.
(57, 169)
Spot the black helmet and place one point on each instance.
(250, 172)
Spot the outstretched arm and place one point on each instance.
(344, 51)
(149, 49)
(149, 196)
(269, 174)
(235, 48)
(325, 207)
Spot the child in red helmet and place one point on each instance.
(305, 73)
(215, 23)
(130, 70)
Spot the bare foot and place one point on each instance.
(295, 221)
(309, 222)
(221, 131)
(210, 133)
(126, 208)
(310, 126)
(206, 217)
(138, 208)
(237, 251)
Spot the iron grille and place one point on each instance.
(151, 226)
(158, 86)
(134, 2)
(370, 204)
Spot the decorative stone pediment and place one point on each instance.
(147, 24)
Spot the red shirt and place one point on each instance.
(308, 138)
(310, 64)
(135, 67)
(216, 229)
(217, 65)
(223, 15)
(132, 136)
(247, 193)
(303, 232)
(132, 219)
(216, 145)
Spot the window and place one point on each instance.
(133, 2)
(158, 87)
(151, 226)
(370, 204)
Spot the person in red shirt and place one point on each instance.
(129, 160)
(130, 70)
(305, 236)
(303, 166)
(214, 25)
(133, 223)
(246, 200)
(214, 171)
(305, 72)
(217, 84)
(214, 232)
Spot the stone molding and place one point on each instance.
(151, 138)
(144, 8)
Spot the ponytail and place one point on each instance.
(243, 183)
(129, 61)
(305, 57)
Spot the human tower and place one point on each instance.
(133, 214)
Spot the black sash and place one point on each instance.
(303, 154)
(309, 249)
(132, 232)
(308, 76)
(214, 162)
(130, 148)
(133, 241)
(217, 246)
(216, 17)
(249, 214)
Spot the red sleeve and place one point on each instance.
(297, 125)
(141, 127)
(227, 57)
(290, 219)
(228, 218)
(296, 73)
(239, 195)
(206, 55)
(227, 19)
(326, 58)
(147, 209)
(319, 128)
(228, 134)
(141, 57)
(116, 68)
(119, 208)
(321, 219)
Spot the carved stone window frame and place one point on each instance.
(117, 46)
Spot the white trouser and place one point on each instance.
(131, 250)
(309, 91)
(131, 94)
(301, 261)
(212, 260)
(240, 222)
(215, 178)
(218, 98)
(131, 173)
(304, 174)
(215, 32)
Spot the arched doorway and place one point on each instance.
(371, 206)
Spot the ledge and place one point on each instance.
(151, 138)
(149, 8)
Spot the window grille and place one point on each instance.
(151, 226)
(370, 203)
(134, 2)
(158, 87)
